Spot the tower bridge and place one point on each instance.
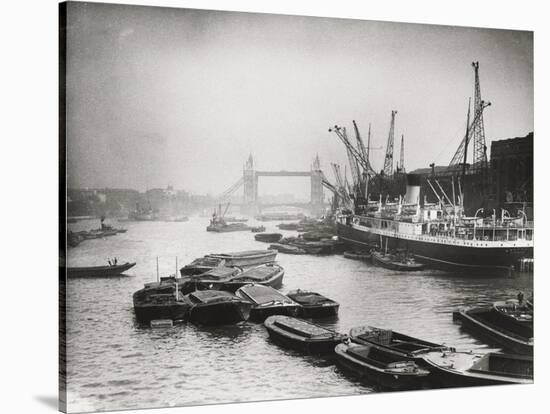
(251, 203)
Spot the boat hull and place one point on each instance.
(248, 260)
(473, 320)
(98, 271)
(268, 237)
(372, 374)
(440, 255)
(319, 311)
(261, 313)
(392, 265)
(275, 282)
(146, 313)
(219, 313)
(445, 377)
(303, 344)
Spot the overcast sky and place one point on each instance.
(160, 96)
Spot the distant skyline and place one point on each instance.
(162, 96)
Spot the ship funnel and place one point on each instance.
(412, 196)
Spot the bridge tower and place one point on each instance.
(317, 196)
(250, 188)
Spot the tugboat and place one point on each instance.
(394, 262)
(220, 225)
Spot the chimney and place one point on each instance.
(412, 196)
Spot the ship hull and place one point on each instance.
(468, 259)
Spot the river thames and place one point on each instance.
(114, 364)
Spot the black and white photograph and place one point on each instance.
(262, 206)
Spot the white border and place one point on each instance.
(29, 201)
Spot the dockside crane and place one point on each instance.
(475, 131)
(461, 153)
(363, 163)
(480, 148)
(341, 185)
(353, 157)
(388, 160)
(227, 193)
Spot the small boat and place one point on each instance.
(201, 265)
(286, 248)
(392, 262)
(380, 367)
(266, 301)
(267, 275)
(210, 307)
(246, 258)
(486, 323)
(463, 369)
(257, 229)
(366, 257)
(97, 234)
(512, 313)
(212, 279)
(221, 226)
(160, 301)
(313, 304)
(268, 237)
(400, 345)
(288, 226)
(301, 335)
(99, 271)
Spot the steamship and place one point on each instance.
(439, 234)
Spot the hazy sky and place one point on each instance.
(159, 96)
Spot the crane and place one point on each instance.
(461, 152)
(231, 190)
(388, 160)
(478, 134)
(341, 184)
(341, 133)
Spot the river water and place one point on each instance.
(114, 364)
